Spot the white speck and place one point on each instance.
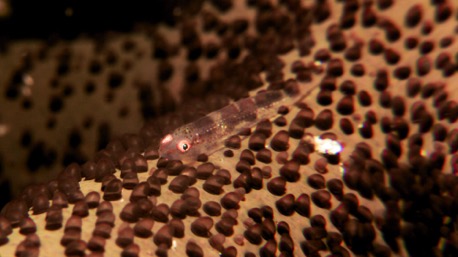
(327, 146)
(174, 245)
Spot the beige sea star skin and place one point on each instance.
(372, 165)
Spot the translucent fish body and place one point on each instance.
(207, 134)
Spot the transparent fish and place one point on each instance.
(207, 134)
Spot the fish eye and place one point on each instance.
(184, 145)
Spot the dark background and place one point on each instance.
(41, 19)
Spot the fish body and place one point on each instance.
(207, 134)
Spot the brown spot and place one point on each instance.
(201, 226)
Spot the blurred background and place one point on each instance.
(74, 74)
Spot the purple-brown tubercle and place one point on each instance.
(281, 191)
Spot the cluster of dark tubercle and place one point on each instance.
(428, 195)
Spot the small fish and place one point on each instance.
(207, 134)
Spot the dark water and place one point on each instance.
(67, 19)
